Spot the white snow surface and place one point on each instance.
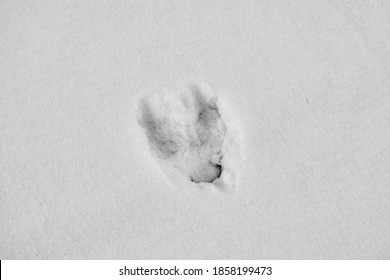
(306, 86)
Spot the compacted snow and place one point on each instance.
(195, 129)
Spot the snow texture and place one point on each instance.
(195, 129)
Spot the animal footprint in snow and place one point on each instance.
(186, 129)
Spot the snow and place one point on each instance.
(302, 86)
